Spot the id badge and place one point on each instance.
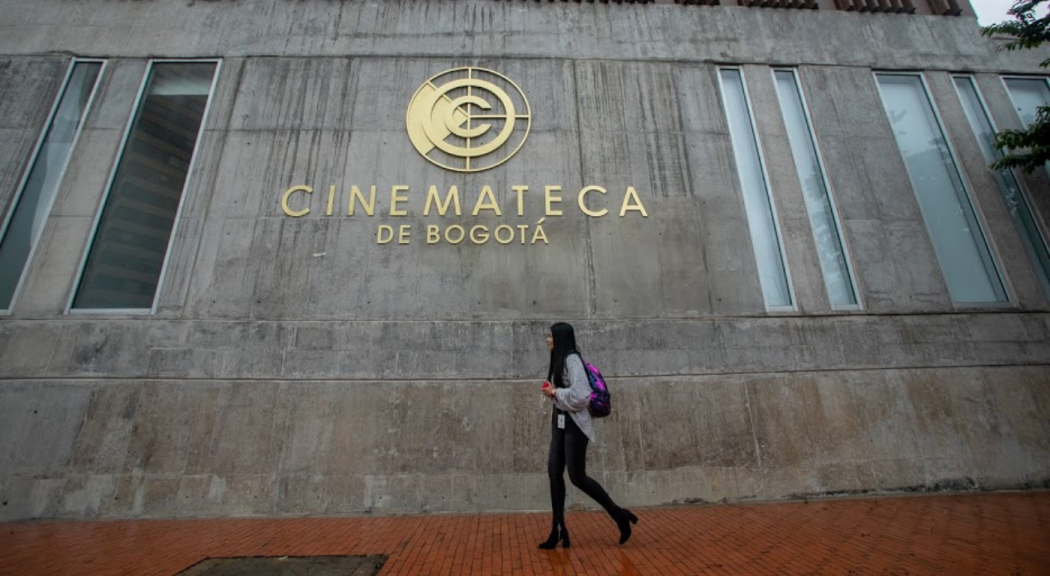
(561, 421)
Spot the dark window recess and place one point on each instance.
(883, 6)
(803, 4)
(127, 254)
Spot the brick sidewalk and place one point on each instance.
(966, 534)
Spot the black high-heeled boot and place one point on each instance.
(558, 532)
(624, 519)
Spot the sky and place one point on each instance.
(994, 11)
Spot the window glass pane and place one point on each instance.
(1016, 203)
(34, 203)
(124, 264)
(814, 189)
(954, 230)
(757, 204)
(1028, 94)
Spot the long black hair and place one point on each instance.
(564, 344)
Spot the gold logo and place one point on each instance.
(453, 126)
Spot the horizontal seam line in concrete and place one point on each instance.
(350, 128)
(9, 380)
(638, 60)
(618, 319)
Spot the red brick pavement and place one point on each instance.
(965, 534)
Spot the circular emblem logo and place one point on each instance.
(468, 119)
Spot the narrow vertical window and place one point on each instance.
(123, 266)
(957, 237)
(765, 238)
(1027, 94)
(32, 202)
(1013, 196)
(822, 219)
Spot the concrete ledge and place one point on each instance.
(500, 30)
(166, 448)
(366, 350)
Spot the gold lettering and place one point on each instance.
(395, 198)
(522, 228)
(538, 233)
(521, 190)
(331, 199)
(432, 234)
(448, 234)
(432, 196)
(288, 193)
(403, 233)
(479, 238)
(355, 197)
(389, 234)
(582, 201)
(551, 199)
(486, 192)
(636, 206)
(508, 229)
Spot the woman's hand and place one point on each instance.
(547, 390)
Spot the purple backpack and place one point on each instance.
(601, 404)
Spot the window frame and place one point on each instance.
(109, 188)
(775, 308)
(847, 255)
(1013, 106)
(1041, 227)
(964, 180)
(20, 190)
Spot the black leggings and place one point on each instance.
(569, 446)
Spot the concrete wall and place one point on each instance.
(206, 448)
(498, 29)
(294, 366)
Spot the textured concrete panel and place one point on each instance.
(484, 29)
(88, 173)
(628, 97)
(103, 439)
(192, 448)
(47, 425)
(699, 100)
(16, 149)
(301, 94)
(47, 288)
(117, 89)
(485, 349)
(643, 251)
(28, 88)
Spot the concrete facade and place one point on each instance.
(295, 366)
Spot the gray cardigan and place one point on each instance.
(577, 396)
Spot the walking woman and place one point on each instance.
(571, 429)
